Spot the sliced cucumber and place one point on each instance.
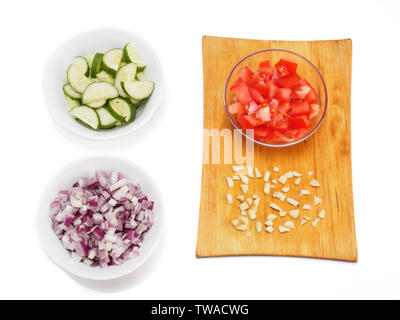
(77, 79)
(141, 76)
(96, 104)
(95, 67)
(136, 103)
(87, 116)
(122, 64)
(71, 92)
(106, 77)
(107, 120)
(138, 90)
(82, 65)
(111, 60)
(97, 91)
(131, 55)
(71, 103)
(126, 73)
(122, 109)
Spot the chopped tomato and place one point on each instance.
(284, 109)
(261, 131)
(280, 122)
(253, 107)
(300, 108)
(314, 110)
(284, 94)
(276, 137)
(247, 121)
(263, 115)
(301, 122)
(273, 89)
(288, 81)
(312, 96)
(289, 64)
(274, 103)
(241, 91)
(265, 66)
(298, 133)
(245, 73)
(302, 92)
(257, 97)
(262, 88)
(236, 108)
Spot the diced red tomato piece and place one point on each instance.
(312, 96)
(298, 133)
(261, 131)
(266, 67)
(304, 82)
(289, 64)
(253, 107)
(247, 121)
(257, 97)
(262, 88)
(280, 122)
(273, 90)
(302, 92)
(236, 108)
(288, 81)
(284, 94)
(314, 110)
(241, 91)
(284, 109)
(301, 122)
(274, 103)
(263, 115)
(275, 137)
(300, 108)
(245, 73)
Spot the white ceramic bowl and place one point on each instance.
(64, 180)
(86, 44)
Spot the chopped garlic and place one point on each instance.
(257, 202)
(289, 224)
(259, 226)
(235, 222)
(269, 223)
(250, 172)
(289, 174)
(310, 173)
(282, 213)
(229, 181)
(273, 186)
(296, 174)
(244, 179)
(235, 178)
(306, 218)
(304, 192)
(257, 172)
(297, 181)
(255, 196)
(314, 223)
(274, 181)
(267, 175)
(292, 202)
(243, 213)
(242, 227)
(282, 179)
(252, 214)
(283, 229)
(267, 187)
(237, 168)
(317, 200)
(306, 207)
(249, 201)
(244, 188)
(279, 195)
(248, 234)
(244, 220)
(321, 214)
(294, 213)
(243, 206)
(229, 198)
(275, 206)
(269, 229)
(285, 189)
(276, 169)
(271, 217)
(303, 221)
(240, 197)
(314, 183)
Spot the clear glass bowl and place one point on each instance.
(306, 70)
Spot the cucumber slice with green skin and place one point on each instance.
(106, 77)
(97, 91)
(107, 121)
(136, 103)
(96, 65)
(71, 92)
(122, 109)
(131, 55)
(138, 90)
(71, 103)
(87, 116)
(122, 64)
(141, 76)
(82, 65)
(111, 60)
(77, 79)
(126, 73)
(97, 104)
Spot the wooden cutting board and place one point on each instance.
(327, 153)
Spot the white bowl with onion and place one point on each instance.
(86, 44)
(63, 180)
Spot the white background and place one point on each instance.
(33, 147)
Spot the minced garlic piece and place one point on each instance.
(244, 188)
(243, 206)
(276, 169)
(267, 175)
(240, 197)
(283, 229)
(314, 223)
(235, 222)
(257, 202)
(255, 196)
(306, 207)
(250, 172)
(292, 202)
(282, 179)
(282, 213)
(289, 174)
(274, 181)
(257, 172)
(237, 168)
(289, 224)
(271, 217)
(279, 195)
(304, 192)
(235, 178)
(275, 206)
(314, 183)
(267, 188)
(310, 173)
(252, 214)
(317, 200)
(297, 181)
(229, 198)
(229, 181)
(269, 223)
(259, 226)
(244, 179)
(285, 189)
(296, 174)
(321, 214)
(269, 229)
(249, 201)
(294, 213)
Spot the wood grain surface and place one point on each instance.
(327, 153)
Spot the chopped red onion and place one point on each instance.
(101, 220)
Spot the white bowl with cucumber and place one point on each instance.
(103, 84)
